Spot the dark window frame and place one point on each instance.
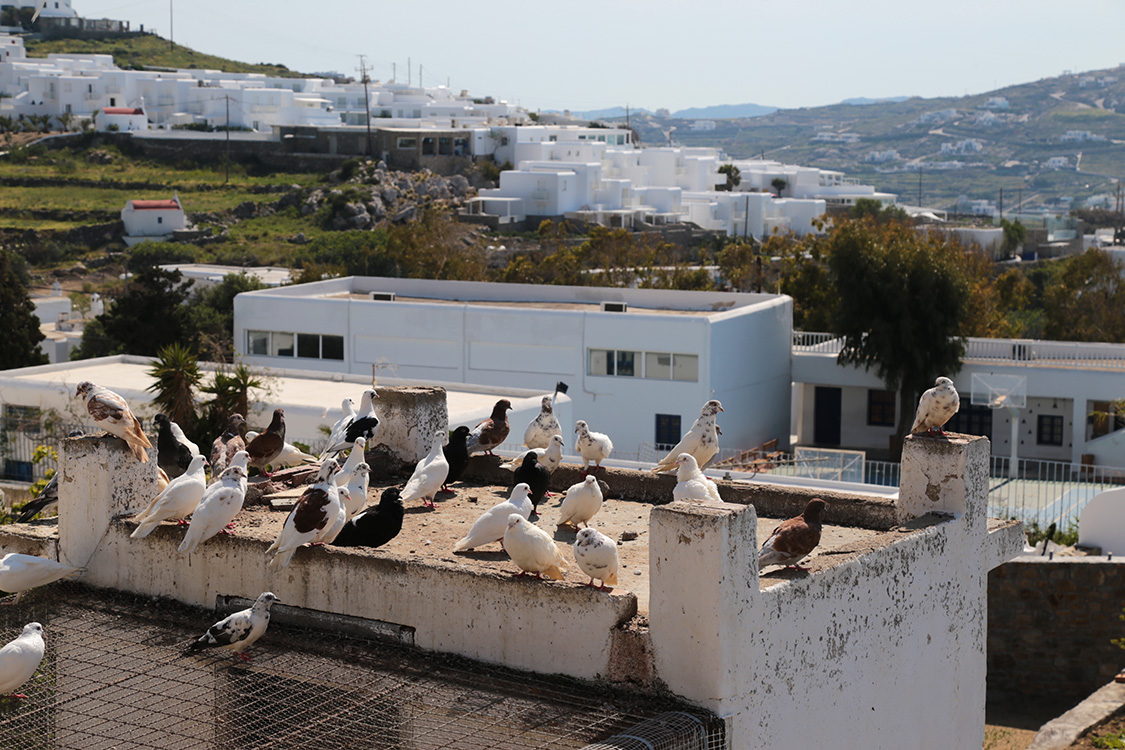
(881, 407)
(1050, 430)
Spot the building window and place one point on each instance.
(971, 420)
(303, 345)
(1104, 418)
(159, 219)
(667, 431)
(685, 367)
(1050, 429)
(626, 362)
(408, 143)
(657, 365)
(308, 345)
(281, 344)
(258, 342)
(332, 347)
(880, 408)
(612, 362)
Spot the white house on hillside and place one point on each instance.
(125, 119)
(153, 220)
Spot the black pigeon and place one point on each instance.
(365, 425)
(172, 454)
(48, 497)
(456, 455)
(537, 477)
(374, 527)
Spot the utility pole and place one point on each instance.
(171, 27)
(394, 72)
(419, 75)
(366, 104)
(1001, 204)
(409, 81)
(919, 184)
(626, 115)
(227, 180)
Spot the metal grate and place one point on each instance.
(114, 678)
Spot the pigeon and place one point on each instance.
(492, 431)
(582, 502)
(336, 522)
(355, 478)
(429, 475)
(532, 549)
(173, 450)
(550, 457)
(596, 555)
(456, 455)
(20, 573)
(176, 501)
(220, 504)
(691, 483)
(227, 444)
(337, 433)
(315, 514)
(936, 407)
(492, 524)
(238, 631)
(364, 424)
(47, 499)
(290, 454)
(375, 526)
(264, 449)
(591, 446)
(20, 658)
(794, 539)
(535, 475)
(538, 433)
(701, 441)
(112, 414)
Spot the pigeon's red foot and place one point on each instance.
(183, 522)
(591, 583)
(18, 696)
(316, 544)
(230, 525)
(521, 574)
(244, 657)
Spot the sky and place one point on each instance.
(586, 55)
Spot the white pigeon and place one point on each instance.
(551, 456)
(240, 630)
(356, 481)
(591, 446)
(532, 549)
(341, 426)
(176, 501)
(429, 475)
(240, 459)
(492, 524)
(936, 407)
(701, 441)
(691, 483)
(112, 413)
(538, 433)
(290, 454)
(364, 424)
(20, 573)
(337, 523)
(314, 516)
(20, 658)
(582, 502)
(216, 511)
(596, 555)
(182, 439)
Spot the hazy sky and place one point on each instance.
(654, 53)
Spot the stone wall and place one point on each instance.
(1050, 626)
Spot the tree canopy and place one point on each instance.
(149, 316)
(17, 317)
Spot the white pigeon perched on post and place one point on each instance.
(582, 502)
(341, 426)
(220, 504)
(112, 414)
(596, 555)
(20, 658)
(532, 549)
(701, 441)
(176, 501)
(429, 475)
(936, 407)
(591, 446)
(691, 483)
(20, 573)
(550, 457)
(238, 631)
(312, 518)
(364, 424)
(492, 524)
(538, 433)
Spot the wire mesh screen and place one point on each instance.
(114, 677)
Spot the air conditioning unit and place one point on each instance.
(615, 307)
(383, 296)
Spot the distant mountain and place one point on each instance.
(607, 114)
(861, 100)
(723, 111)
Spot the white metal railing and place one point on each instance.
(817, 343)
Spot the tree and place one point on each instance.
(430, 247)
(1086, 300)
(1014, 235)
(902, 301)
(734, 177)
(150, 315)
(211, 315)
(874, 208)
(177, 378)
(779, 184)
(17, 316)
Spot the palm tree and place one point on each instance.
(231, 391)
(177, 379)
(734, 176)
(779, 184)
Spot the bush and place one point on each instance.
(148, 254)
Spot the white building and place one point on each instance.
(50, 8)
(152, 220)
(124, 119)
(639, 363)
(208, 274)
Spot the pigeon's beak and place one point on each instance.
(721, 409)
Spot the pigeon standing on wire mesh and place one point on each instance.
(538, 433)
(264, 449)
(20, 658)
(176, 501)
(550, 457)
(701, 441)
(173, 450)
(794, 539)
(337, 433)
(691, 483)
(456, 455)
(936, 407)
(313, 517)
(532, 549)
(227, 444)
(492, 431)
(429, 475)
(240, 630)
(220, 504)
(20, 573)
(596, 555)
(535, 475)
(492, 524)
(582, 502)
(364, 424)
(376, 526)
(591, 446)
(111, 413)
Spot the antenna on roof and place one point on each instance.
(38, 10)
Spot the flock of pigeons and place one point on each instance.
(331, 509)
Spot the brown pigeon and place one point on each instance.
(112, 414)
(227, 444)
(265, 449)
(492, 431)
(794, 539)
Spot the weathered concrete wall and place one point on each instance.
(1051, 622)
(408, 418)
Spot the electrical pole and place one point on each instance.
(171, 27)
(409, 80)
(366, 104)
(1001, 205)
(919, 184)
(227, 180)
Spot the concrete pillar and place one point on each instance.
(947, 475)
(408, 418)
(703, 577)
(1079, 410)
